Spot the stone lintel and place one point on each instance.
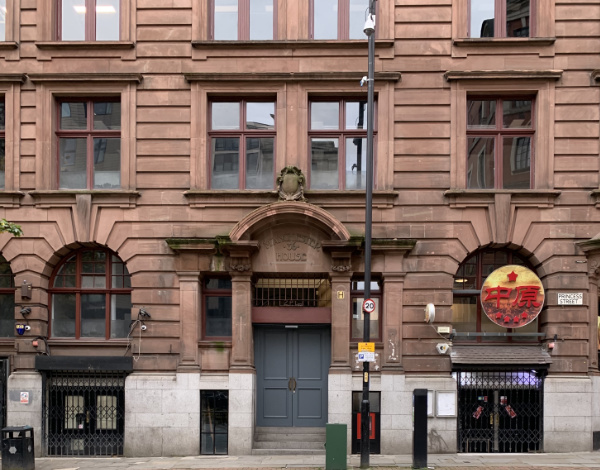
(288, 77)
(452, 75)
(13, 77)
(85, 77)
(202, 245)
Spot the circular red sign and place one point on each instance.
(512, 296)
(369, 305)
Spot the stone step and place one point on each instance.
(288, 452)
(278, 437)
(290, 430)
(291, 444)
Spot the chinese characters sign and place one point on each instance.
(512, 296)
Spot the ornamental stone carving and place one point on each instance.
(291, 184)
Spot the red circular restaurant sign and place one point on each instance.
(512, 296)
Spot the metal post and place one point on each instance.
(365, 405)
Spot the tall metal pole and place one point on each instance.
(365, 405)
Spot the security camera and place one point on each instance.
(144, 327)
(442, 348)
(143, 312)
(369, 27)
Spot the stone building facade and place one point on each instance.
(189, 176)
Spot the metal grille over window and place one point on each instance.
(214, 421)
(84, 414)
(500, 411)
(276, 291)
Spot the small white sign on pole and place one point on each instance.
(366, 357)
(570, 298)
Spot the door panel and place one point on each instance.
(291, 368)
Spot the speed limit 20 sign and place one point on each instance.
(369, 305)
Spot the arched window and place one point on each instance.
(467, 313)
(7, 300)
(90, 296)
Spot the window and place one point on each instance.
(217, 308)
(244, 20)
(467, 313)
(3, 15)
(499, 18)
(357, 326)
(89, 144)
(214, 406)
(2, 145)
(90, 296)
(7, 300)
(89, 20)
(242, 142)
(338, 144)
(500, 135)
(339, 19)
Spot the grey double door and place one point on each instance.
(291, 368)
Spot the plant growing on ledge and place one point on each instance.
(10, 227)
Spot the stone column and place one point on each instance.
(242, 350)
(594, 267)
(393, 289)
(340, 320)
(189, 308)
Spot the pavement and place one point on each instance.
(380, 462)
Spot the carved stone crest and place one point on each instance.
(291, 184)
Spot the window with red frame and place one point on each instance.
(217, 308)
(467, 313)
(7, 300)
(242, 144)
(89, 144)
(89, 20)
(244, 20)
(500, 137)
(90, 296)
(499, 18)
(338, 19)
(357, 322)
(338, 144)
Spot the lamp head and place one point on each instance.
(369, 27)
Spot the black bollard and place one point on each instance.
(420, 428)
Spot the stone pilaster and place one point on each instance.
(242, 351)
(340, 320)
(393, 290)
(189, 311)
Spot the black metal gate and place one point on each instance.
(84, 413)
(500, 410)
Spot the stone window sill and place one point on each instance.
(85, 45)
(11, 198)
(539, 198)
(8, 45)
(61, 198)
(298, 44)
(503, 42)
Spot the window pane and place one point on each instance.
(261, 19)
(356, 115)
(480, 163)
(217, 283)
(464, 314)
(325, 19)
(358, 15)
(517, 114)
(107, 116)
(63, 315)
(2, 115)
(73, 116)
(6, 275)
(259, 163)
(93, 315)
(492, 260)
(356, 163)
(120, 315)
(532, 327)
(260, 115)
(225, 116)
(7, 315)
(2, 163)
(2, 20)
(324, 115)
(226, 20)
(65, 277)
(107, 163)
(73, 163)
(517, 18)
(466, 277)
(221, 444)
(106, 412)
(482, 19)
(516, 170)
(488, 326)
(107, 20)
(218, 316)
(225, 163)
(481, 114)
(324, 164)
(358, 319)
(73, 20)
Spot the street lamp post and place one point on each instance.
(369, 30)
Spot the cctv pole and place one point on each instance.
(365, 405)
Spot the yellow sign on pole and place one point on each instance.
(366, 347)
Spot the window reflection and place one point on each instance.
(3, 12)
(325, 24)
(226, 20)
(261, 19)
